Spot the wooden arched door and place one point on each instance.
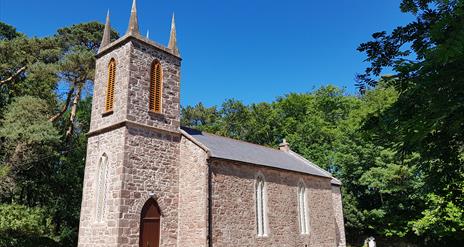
(150, 224)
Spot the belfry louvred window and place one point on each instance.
(156, 86)
(110, 87)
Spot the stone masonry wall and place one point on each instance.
(142, 56)
(152, 149)
(150, 169)
(338, 209)
(193, 195)
(234, 218)
(98, 118)
(144, 160)
(105, 233)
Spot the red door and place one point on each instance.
(150, 225)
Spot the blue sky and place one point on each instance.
(250, 50)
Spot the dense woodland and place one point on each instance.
(397, 145)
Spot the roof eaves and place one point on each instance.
(267, 166)
(309, 163)
(334, 181)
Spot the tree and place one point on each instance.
(427, 57)
(8, 32)
(201, 117)
(28, 67)
(81, 43)
(27, 141)
(25, 226)
(42, 134)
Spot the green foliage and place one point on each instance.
(27, 67)
(199, 116)
(85, 35)
(442, 217)
(28, 138)
(8, 32)
(80, 43)
(427, 57)
(22, 220)
(32, 127)
(25, 226)
(41, 165)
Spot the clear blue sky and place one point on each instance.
(250, 50)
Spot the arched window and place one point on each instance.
(110, 86)
(150, 224)
(261, 214)
(156, 86)
(303, 209)
(101, 187)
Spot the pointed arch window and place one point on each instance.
(303, 209)
(156, 86)
(261, 214)
(102, 174)
(110, 86)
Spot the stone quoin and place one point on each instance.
(150, 182)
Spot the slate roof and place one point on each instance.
(230, 149)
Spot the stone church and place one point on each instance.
(150, 182)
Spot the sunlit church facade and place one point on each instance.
(150, 182)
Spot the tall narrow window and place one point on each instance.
(302, 209)
(110, 86)
(261, 216)
(101, 187)
(156, 87)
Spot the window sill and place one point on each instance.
(107, 113)
(155, 113)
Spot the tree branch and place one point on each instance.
(19, 71)
(65, 106)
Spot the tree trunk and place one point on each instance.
(72, 117)
(65, 106)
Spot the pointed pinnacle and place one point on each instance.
(173, 39)
(133, 21)
(106, 39)
(134, 6)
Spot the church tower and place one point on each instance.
(131, 173)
